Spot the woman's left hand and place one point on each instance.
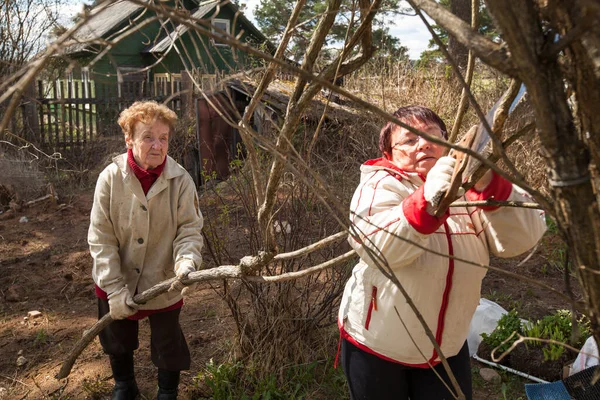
(182, 269)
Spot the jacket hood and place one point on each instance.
(383, 164)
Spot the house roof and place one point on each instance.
(164, 44)
(204, 9)
(102, 21)
(277, 97)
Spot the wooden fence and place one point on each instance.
(67, 115)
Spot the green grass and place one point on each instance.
(511, 387)
(41, 338)
(233, 380)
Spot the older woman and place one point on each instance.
(145, 228)
(385, 351)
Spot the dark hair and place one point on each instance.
(405, 114)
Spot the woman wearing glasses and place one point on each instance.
(386, 353)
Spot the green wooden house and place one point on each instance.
(151, 48)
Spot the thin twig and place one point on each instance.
(462, 107)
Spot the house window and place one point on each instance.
(130, 81)
(166, 84)
(221, 25)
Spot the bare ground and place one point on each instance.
(45, 266)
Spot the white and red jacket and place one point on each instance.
(388, 205)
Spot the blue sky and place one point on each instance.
(410, 29)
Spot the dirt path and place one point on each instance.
(46, 267)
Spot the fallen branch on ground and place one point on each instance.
(246, 269)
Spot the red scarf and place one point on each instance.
(146, 177)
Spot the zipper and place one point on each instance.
(372, 306)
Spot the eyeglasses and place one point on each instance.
(407, 142)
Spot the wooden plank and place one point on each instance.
(54, 112)
(30, 115)
(86, 133)
(93, 111)
(77, 113)
(98, 96)
(74, 101)
(41, 112)
(70, 112)
(63, 115)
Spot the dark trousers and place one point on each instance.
(168, 349)
(371, 377)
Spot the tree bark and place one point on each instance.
(459, 52)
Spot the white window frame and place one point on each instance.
(171, 79)
(227, 29)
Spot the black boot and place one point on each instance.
(125, 386)
(168, 381)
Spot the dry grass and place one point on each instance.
(20, 180)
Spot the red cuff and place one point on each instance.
(498, 189)
(141, 314)
(101, 294)
(415, 211)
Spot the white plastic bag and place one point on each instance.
(484, 320)
(589, 359)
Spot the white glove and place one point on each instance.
(438, 181)
(121, 304)
(182, 270)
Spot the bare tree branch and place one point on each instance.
(491, 53)
(462, 107)
(258, 94)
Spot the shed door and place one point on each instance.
(215, 137)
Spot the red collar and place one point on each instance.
(147, 177)
(386, 163)
(139, 171)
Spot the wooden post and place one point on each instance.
(41, 120)
(187, 91)
(30, 114)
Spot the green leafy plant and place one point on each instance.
(557, 327)
(508, 324)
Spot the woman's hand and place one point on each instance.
(439, 180)
(182, 269)
(121, 304)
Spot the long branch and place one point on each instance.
(491, 53)
(462, 107)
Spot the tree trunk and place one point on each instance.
(462, 9)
